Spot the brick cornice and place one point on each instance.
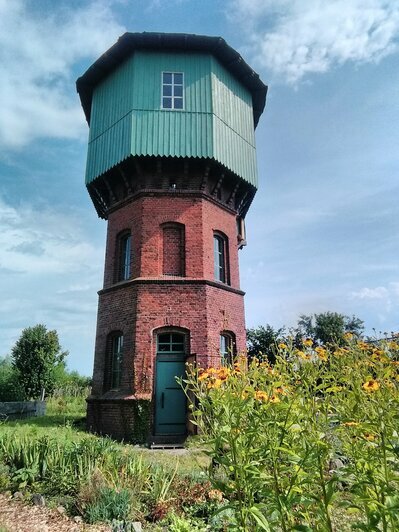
(179, 193)
(172, 282)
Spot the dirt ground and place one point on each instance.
(17, 516)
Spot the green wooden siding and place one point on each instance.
(127, 119)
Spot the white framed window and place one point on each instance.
(172, 90)
(227, 348)
(116, 361)
(221, 260)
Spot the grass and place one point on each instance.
(90, 475)
(65, 421)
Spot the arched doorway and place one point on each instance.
(170, 400)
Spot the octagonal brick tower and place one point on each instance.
(171, 165)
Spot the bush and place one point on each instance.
(35, 355)
(285, 439)
(109, 505)
(10, 389)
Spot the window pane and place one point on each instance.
(116, 361)
(178, 103)
(219, 259)
(177, 338)
(126, 257)
(223, 347)
(167, 77)
(163, 347)
(177, 90)
(177, 348)
(178, 78)
(167, 103)
(164, 338)
(167, 90)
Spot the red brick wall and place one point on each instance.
(150, 301)
(174, 255)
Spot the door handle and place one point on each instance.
(162, 399)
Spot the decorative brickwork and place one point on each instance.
(165, 230)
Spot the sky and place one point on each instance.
(323, 230)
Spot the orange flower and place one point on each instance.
(223, 373)
(363, 345)
(203, 375)
(321, 353)
(216, 383)
(261, 396)
(371, 385)
(274, 399)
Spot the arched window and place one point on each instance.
(227, 348)
(220, 255)
(124, 246)
(113, 366)
(173, 249)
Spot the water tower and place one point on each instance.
(171, 165)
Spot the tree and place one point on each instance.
(10, 390)
(263, 341)
(329, 327)
(35, 356)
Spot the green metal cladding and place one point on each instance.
(126, 116)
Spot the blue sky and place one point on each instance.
(323, 231)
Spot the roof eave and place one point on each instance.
(129, 42)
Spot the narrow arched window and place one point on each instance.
(114, 357)
(173, 249)
(227, 348)
(220, 255)
(124, 246)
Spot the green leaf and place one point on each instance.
(260, 518)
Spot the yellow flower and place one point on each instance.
(223, 373)
(217, 383)
(308, 342)
(351, 424)
(303, 355)
(261, 396)
(321, 353)
(348, 336)
(274, 399)
(369, 437)
(203, 375)
(282, 345)
(363, 345)
(371, 385)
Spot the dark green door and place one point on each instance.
(170, 401)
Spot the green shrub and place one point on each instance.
(109, 505)
(10, 389)
(275, 434)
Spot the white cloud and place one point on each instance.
(37, 54)
(43, 242)
(293, 38)
(50, 269)
(380, 292)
